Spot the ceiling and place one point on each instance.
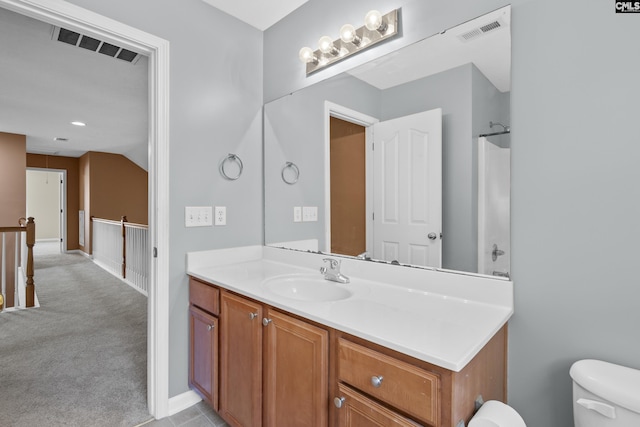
(260, 14)
(46, 84)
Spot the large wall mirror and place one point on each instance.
(404, 159)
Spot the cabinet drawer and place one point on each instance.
(402, 385)
(357, 410)
(205, 296)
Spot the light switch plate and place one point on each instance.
(297, 214)
(309, 213)
(198, 216)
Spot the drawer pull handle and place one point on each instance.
(338, 401)
(210, 327)
(253, 315)
(265, 321)
(376, 381)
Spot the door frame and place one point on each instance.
(65, 14)
(347, 114)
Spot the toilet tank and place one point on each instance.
(605, 394)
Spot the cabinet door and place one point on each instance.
(296, 373)
(240, 361)
(203, 354)
(355, 410)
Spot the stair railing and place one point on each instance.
(16, 265)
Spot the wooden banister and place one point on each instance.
(31, 240)
(123, 220)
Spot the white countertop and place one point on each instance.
(440, 317)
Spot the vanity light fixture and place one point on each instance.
(377, 27)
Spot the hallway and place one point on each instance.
(80, 359)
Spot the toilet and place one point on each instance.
(496, 414)
(605, 394)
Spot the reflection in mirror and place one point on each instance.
(404, 159)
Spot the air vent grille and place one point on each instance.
(482, 30)
(79, 40)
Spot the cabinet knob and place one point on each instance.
(338, 401)
(210, 327)
(376, 381)
(265, 321)
(253, 315)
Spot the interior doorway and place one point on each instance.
(46, 201)
(348, 187)
(75, 18)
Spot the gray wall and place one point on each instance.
(216, 100)
(575, 156)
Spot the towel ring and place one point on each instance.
(231, 158)
(296, 173)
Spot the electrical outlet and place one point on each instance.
(309, 213)
(220, 215)
(297, 214)
(198, 216)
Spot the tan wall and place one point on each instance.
(13, 197)
(13, 180)
(111, 186)
(71, 165)
(119, 188)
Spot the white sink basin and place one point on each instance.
(307, 287)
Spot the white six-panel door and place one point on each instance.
(408, 189)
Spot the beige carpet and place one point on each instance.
(79, 359)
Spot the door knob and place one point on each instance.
(496, 252)
(253, 315)
(210, 327)
(265, 321)
(432, 236)
(338, 401)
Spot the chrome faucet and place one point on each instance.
(332, 272)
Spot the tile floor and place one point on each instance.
(199, 415)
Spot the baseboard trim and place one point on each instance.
(183, 401)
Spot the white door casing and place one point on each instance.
(408, 189)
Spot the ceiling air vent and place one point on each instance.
(79, 40)
(482, 30)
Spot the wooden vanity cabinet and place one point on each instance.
(280, 370)
(203, 340)
(273, 367)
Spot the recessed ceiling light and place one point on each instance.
(78, 123)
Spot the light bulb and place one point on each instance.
(325, 44)
(306, 55)
(373, 21)
(348, 34)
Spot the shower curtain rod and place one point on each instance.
(494, 133)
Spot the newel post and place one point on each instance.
(31, 240)
(123, 220)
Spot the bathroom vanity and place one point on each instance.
(273, 343)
